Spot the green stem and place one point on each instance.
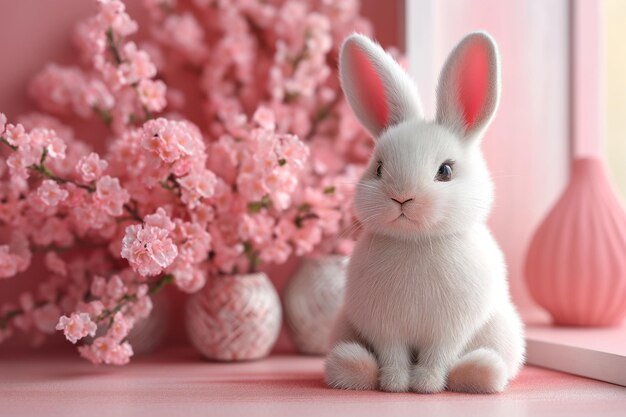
(127, 299)
(162, 282)
(321, 115)
(43, 170)
(104, 115)
(4, 320)
(106, 314)
(133, 212)
(6, 142)
(113, 47)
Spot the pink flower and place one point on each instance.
(58, 89)
(115, 288)
(276, 251)
(196, 186)
(307, 237)
(5, 333)
(107, 350)
(77, 326)
(203, 214)
(193, 242)
(55, 264)
(113, 15)
(110, 195)
(14, 257)
(98, 286)
(46, 317)
(18, 162)
(148, 249)
(184, 34)
(278, 135)
(93, 308)
(152, 94)
(142, 307)
(120, 327)
(257, 228)
(15, 134)
(120, 354)
(50, 193)
(137, 65)
(171, 140)
(189, 280)
(45, 138)
(96, 95)
(90, 167)
(9, 263)
(264, 117)
(24, 321)
(159, 219)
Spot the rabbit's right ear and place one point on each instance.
(469, 86)
(379, 90)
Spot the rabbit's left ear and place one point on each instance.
(378, 89)
(469, 86)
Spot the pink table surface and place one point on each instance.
(177, 382)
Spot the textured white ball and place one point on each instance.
(234, 317)
(312, 301)
(149, 333)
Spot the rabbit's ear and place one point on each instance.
(379, 90)
(469, 86)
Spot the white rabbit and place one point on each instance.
(427, 301)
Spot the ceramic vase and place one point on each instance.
(576, 262)
(234, 318)
(312, 300)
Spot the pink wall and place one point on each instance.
(48, 38)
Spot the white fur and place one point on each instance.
(351, 366)
(482, 371)
(427, 288)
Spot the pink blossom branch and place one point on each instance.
(321, 115)
(104, 115)
(6, 142)
(6, 318)
(42, 169)
(127, 299)
(113, 47)
(106, 314)
(45, 171)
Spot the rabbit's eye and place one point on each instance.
(379, 169)
(444, 173)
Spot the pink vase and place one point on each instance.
(234, 317)
(576, 263)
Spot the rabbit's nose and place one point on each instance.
(402, 202)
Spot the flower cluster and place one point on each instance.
(119, 84)
(248, 156)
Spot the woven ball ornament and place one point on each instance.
(148, 334)
(234, 317)
(312, 301)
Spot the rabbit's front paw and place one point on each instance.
(350, 366)
(394, 379)
(427, 380)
